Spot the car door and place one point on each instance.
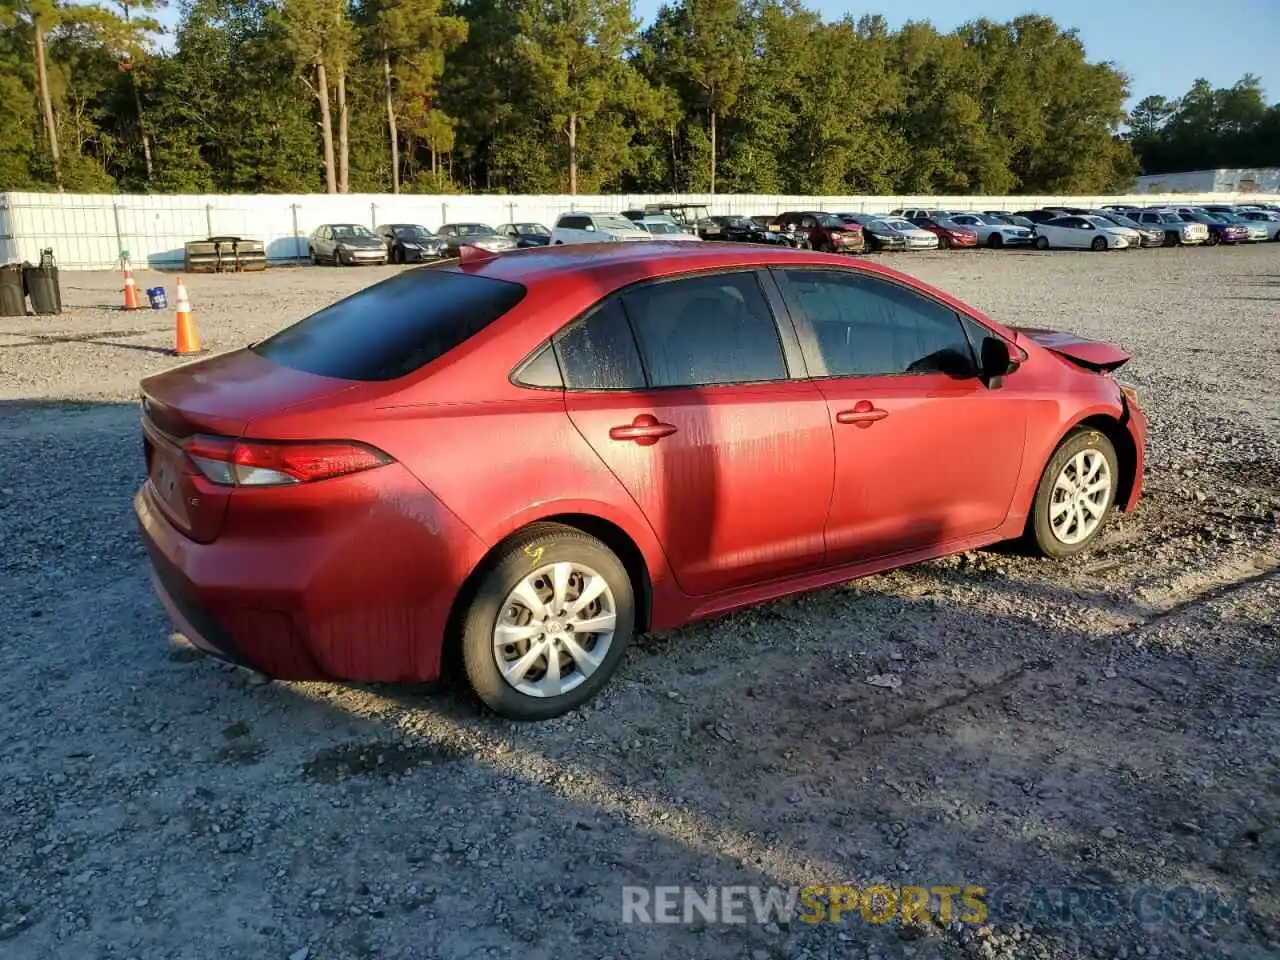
(925, 453)
(449, 237)
(388, 237)
(328, 243)
(694, 396)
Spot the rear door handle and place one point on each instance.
(863, 414)
(645, 430)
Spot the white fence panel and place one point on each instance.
(88, 231)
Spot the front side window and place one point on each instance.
(706, 330)
(870, 327)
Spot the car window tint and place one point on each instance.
(540, 370)
(394, 327)
(599, 352)
(706, 330)
(866, 326)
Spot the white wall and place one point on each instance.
(88, 231)
(1264, 180)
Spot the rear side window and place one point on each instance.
(706, 330)
(394, 327)
(599, 352)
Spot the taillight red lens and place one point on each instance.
(263, 463)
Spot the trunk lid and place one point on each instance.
(215, 396)
(1090, 354)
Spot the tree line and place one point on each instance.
(540, 96)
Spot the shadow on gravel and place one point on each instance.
(102, 338)
(1058, 769)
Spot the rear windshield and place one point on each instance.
(394, 327)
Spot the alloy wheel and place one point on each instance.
(1081, 495)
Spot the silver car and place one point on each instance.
(1176, 230)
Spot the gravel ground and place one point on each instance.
(1067, 736)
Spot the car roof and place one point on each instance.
(611, 265)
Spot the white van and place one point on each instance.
(595, 228)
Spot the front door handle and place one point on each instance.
(645, 430)
(863, 414)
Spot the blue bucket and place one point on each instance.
(157, 298)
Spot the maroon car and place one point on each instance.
(948, 233)
(824, 231)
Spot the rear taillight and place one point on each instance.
(263, 463)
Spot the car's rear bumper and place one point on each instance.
(354, 583)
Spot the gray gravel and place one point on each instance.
(1101, 727)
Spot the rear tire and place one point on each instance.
(1042, 243)
(532, 562)
(1070, 509)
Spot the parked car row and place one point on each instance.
(1111, 227)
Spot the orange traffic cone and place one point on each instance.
(186, 336)
(130, 288)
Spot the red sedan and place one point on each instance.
(949, 235)
(524, 459)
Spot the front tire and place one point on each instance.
(1075, 495)
(1099, 243)
(995, 241)
(532, 648)
(1042, 243)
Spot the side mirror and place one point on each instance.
(996, 362)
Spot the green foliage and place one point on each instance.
(759, 96)
(1207, 129)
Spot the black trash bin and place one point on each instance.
(42, 285)
(13, 297)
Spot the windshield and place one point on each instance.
(613, 222)
(898, 223)
(1020, 221)
(1122, 220)
(345, 231)
(661, 226)
(830, 221)
(413, 232)
(473, 229)
(532, 230)
(738, 223)
(684, 214)
(1099, 222)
